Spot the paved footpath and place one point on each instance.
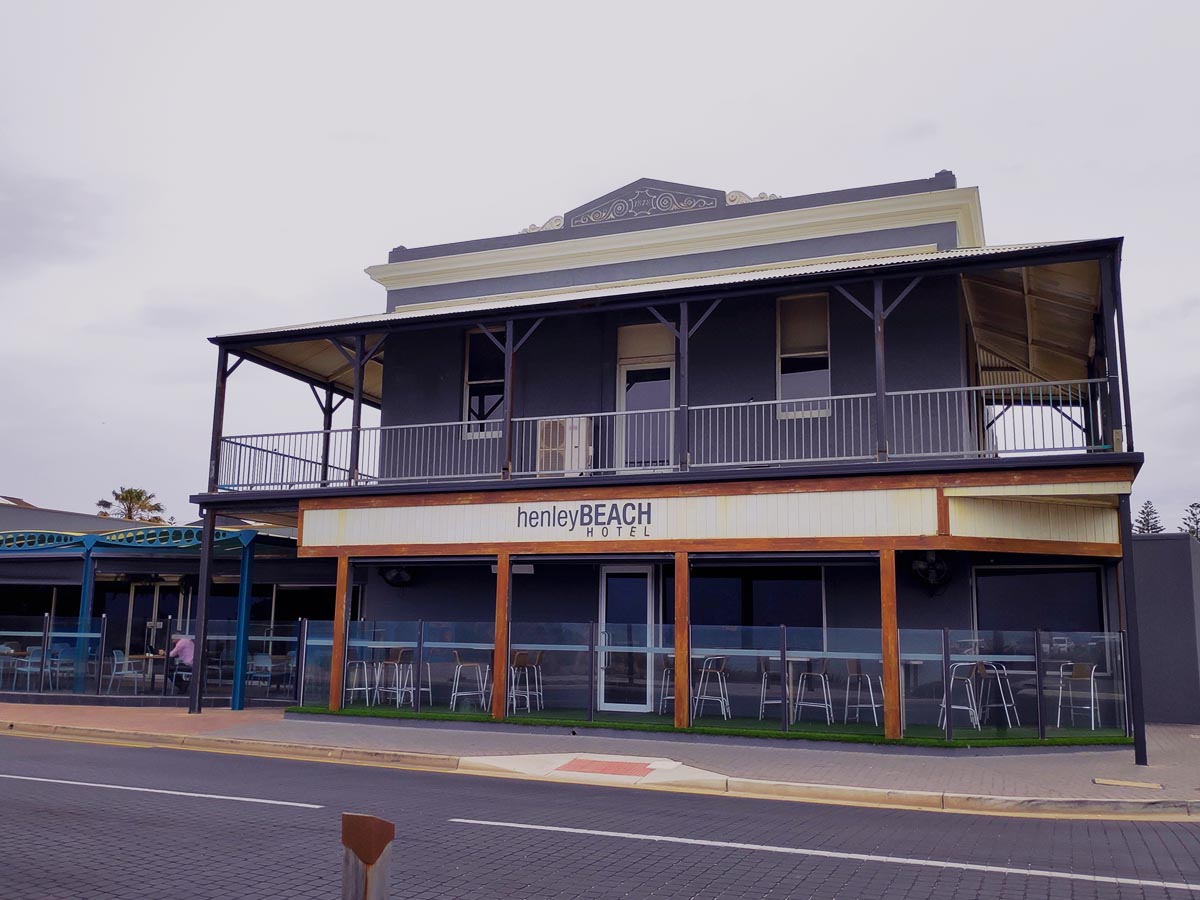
(680, 760)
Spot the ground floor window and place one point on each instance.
(1049, 598)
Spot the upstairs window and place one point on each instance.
(803, 334)
(483, 384)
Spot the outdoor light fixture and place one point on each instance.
(518, 569)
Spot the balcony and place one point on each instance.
(1065, 417)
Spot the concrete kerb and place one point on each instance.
(708, 782)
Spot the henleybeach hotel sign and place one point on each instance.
(900, 512)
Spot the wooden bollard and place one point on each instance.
(366, 856)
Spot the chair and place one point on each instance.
(765, 695)
(856, 677)
(215, 662)
(358, 680)
(962, 674)
(666, 690)
(519, 670)
(61, 663)
(712, 678)
(123, 668)
(262, 670)
(813, 678)
(1070, 674)
(460, 690)
(31, 665)
(995, 673)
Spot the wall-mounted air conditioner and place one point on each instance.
(564, 446)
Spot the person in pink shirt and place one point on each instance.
(184, 651)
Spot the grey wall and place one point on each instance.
(569, 364)
(1166, 571)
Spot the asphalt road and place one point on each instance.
(461, 836)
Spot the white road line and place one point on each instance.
(832, 854)
(145, 790)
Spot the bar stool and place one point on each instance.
(536, 690)
(358, 680)
(392, 678)
(995, 673)
(459, 689)
(856, 677)
(519, 669)
(666, 691)
(1068, 675)
(769, 667)
(712, 678)
(814, 679)
(964, 675)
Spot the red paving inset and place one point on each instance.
(605, 767)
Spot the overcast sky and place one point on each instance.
(169, 171)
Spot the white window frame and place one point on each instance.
(818, 412)
(476, 429)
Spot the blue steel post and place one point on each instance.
(241, 645)
(87, 592)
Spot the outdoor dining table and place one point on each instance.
(149, 659)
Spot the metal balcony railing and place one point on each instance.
(783, 431)
(969, 422)
(1041, 417)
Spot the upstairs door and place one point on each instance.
(644, 436)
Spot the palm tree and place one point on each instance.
(134, 504)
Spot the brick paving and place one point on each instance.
(1174, 752)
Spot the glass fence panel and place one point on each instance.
(550, 674)
(992, 685)
(21, 652)
(662, 688)
(219, 659)
(456, 665)
(318, 651)
(835, 678)
(271, 659)
(72, 663)
(1083, 685)
(379, 663)
(921, 681)
(735, 676)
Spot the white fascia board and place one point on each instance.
(959, 206)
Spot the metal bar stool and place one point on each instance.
(856, 677)
(519, 670)
(814, 678)
(961, 674)
(358, 680)
(1068, 675)
(712, 678)
(767, 697)
(666, 690)
(459, 689)
(995, 673)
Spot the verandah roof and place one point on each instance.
(1030, 320)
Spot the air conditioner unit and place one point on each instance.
(564, 446)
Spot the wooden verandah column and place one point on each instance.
(683, 642)
(891, 643)
(500, 648)
(341, 616)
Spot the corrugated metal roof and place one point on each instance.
(500, 302)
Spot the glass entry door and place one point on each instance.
(626, 675)
(645, 428)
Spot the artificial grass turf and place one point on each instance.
(807, 731)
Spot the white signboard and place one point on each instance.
(817, 514)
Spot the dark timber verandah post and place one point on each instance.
(200, 643)
(360, 363)
(1111, 414)
(506, 462)
(683, 426)
(326, 429)
(882, 419)
(1132, 644)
